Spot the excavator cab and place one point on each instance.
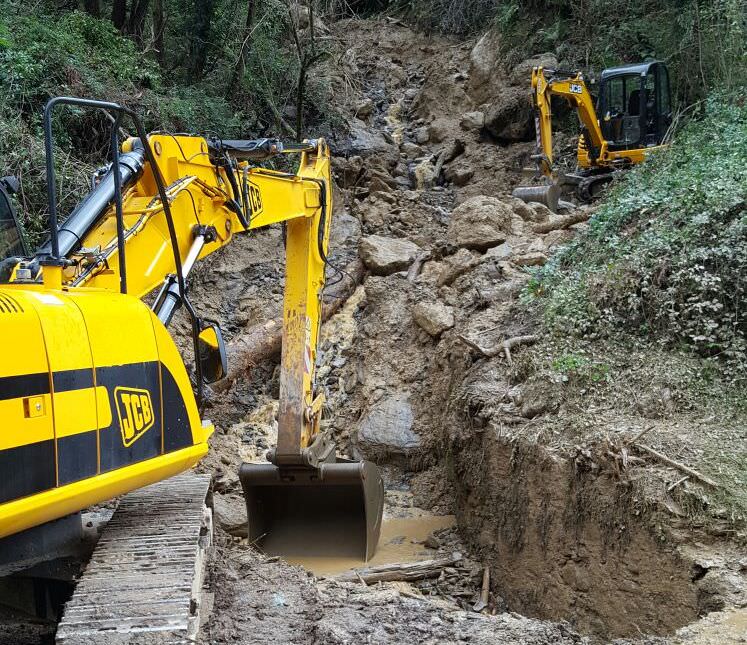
(634, 105)
(12, 239)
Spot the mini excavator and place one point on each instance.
(631, 119)
(95, 399)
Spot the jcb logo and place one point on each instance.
(576, 89)
(255, 199)
(135, 410)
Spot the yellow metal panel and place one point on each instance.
(50, 505)
(75, 411)
(16, 429)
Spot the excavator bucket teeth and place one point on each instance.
(331, 511)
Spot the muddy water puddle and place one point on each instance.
(401, 541)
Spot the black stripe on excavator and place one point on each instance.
(26, 470)
(30, 469)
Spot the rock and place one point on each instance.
(387, 427)
(386, 255)
(434, 317)
(364, 141)
(555, 238)
(541, 213)
(479, 223)
(379, 185)
(229, 512)
(509, 117)
(346, 232)
(521, 74)
(530, 259)
(432, 542)
(456, 265)
(422, 135)
(412, 150)
(522, 209)
(424, 174)
(472, 121)
(438, 131)
(459, 175)
(364, 109)
(483, 58)
(350, 170)
(500, 252)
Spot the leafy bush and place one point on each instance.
(666, 255)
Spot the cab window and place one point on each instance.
(11, 239)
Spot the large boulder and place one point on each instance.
(386, 255)
(433, 317)
(483, 58)
(480, 223)
(345, 233)
(509, 118)
(521, 74)
(386, 429)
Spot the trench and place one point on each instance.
(564, 544)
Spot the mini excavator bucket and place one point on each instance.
(334, 510)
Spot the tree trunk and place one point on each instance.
(92, 7)
(119, 14)
(159, 26)
(136, 23)
(201, 21)
(245, 48)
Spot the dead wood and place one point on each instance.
(417, 265)
(263, 341)
(397, 572)
(678, 465)
(562, 222)
(506, 346)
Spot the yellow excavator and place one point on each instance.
(629, 120)
(95, 399)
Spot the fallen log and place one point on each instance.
(562, 222)
(263, 341)
(401, 571)
(690, 472)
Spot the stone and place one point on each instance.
(386, 255)
(521, 74)
(509, 116)
(541, 213)
(530, 259)
(364, 141)
(472, 121)
(386, 428)
(412, 150)
(364, 109)
(522, 209)
(483, 58)
(379, 185)
(422, 135)
(438, 131)
(500, 252)
(433, 317)
(346, 232)
(455, 265)
(229, 512)
(479, 223)
(459, 174)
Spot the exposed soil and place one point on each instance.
(586, 536)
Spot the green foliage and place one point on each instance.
(666, 255)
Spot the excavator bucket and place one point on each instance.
(548, 195)
(331, 511)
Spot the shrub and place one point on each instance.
(666, 255)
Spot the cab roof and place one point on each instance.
(637, 68)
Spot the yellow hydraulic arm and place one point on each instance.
(94, 398)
